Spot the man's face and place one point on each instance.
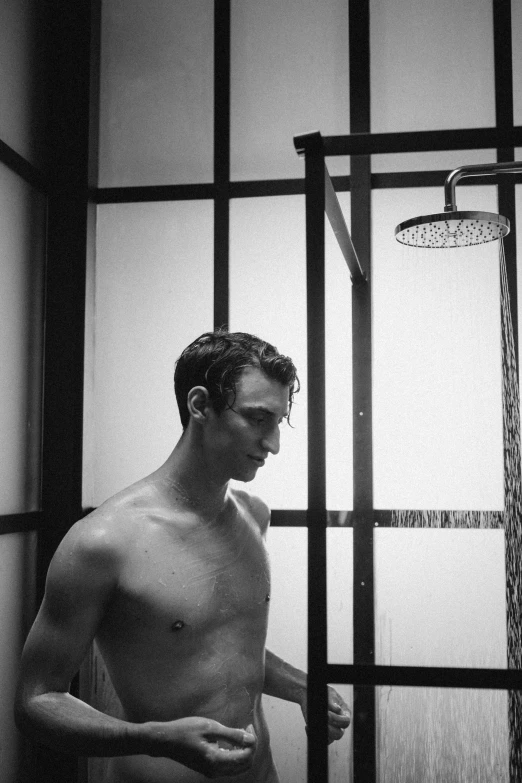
(240, 438)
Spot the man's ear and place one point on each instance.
(198, 403)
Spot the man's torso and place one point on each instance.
(184, 631)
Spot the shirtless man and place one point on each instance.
(171, 577)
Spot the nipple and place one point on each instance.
(177, 626)
(267, 599)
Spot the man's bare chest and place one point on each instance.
(188, 587)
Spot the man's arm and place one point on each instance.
(79, 585)
(288, 683)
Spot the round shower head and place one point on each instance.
(452, 229)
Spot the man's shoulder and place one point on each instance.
(254, 506)
(106, 530)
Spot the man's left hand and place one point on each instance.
(339, 715)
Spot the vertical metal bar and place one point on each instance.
(507, 206)
(504, 120)
(316, 515)
(221, 160)
(68, 38)
(86, 686)
(364, 717)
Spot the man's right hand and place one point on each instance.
(204, 745)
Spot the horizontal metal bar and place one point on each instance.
(425, 677)
(422, 141)
(20, 523)
(274, 187)
(23, 168)
(281, 518)
(269, 187)
(152, 193)
(246, 189)
(335, 216)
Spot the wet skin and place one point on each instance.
(171, 577)
(192, 602)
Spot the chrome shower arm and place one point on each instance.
(512, 167)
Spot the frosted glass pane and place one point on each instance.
(153, 295)
(17, 570)
(516, 22)
(431, 64)
(289, 75)
(287, 637)
(431, 161)
(268, 298)
(267, 264)
(156, 92)
(339, 440)
(22, 85)
(442, 734)
(22, 233)
(340, 594)
(437, 406)
(440, 598)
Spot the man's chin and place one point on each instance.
(246, 476)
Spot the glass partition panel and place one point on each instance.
(440, 598)
(442, 734)
(338, 338)
(151, 295)
(17, 569)
(289, 75)
(156, 92)
(437, 386)
(287, 637)
(340, 594)
(22, 27)
(431, 65)
(268, 298)
(22, 249)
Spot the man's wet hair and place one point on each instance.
(216, 359)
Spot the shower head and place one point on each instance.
(452, 229)
(458, 229)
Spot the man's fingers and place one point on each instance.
(341, 720)
(224, 761)
(334, 733)
(228, 738)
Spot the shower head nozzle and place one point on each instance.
(458, 229)
(452, 229)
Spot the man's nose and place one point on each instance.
(272, 440)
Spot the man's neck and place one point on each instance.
(189, 482)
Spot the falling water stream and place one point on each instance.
(424, 748)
